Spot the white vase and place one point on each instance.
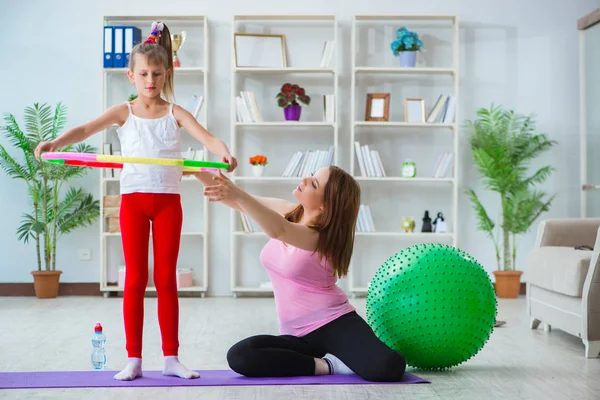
(257, 170)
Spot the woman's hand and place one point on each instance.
(44, 147)
(229, 159)
(223, 190)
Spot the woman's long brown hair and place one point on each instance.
(337, 224)
(159, 53)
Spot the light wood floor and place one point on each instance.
(45, 335)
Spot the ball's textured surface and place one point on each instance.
(433, 303)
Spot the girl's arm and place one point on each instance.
(116, 114)
(280, 206)
(272, 223)
(213, 144)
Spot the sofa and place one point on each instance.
(563, 279)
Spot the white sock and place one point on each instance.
(174, 368)
(132, 370)
(339, 368)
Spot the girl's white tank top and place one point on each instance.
(156, 138)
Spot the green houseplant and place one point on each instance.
(503, 144)
(53, 211)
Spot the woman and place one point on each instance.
(310, 246)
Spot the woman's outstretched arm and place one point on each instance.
(272, 222)
(280, 206)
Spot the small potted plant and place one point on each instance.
(258, 164)
(288, 99)
(405, 47)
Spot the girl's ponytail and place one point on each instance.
(158, 46)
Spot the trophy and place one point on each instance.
(176, 42)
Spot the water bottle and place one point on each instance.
(98, 354)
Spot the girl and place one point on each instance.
(310, 246)
(149, 127)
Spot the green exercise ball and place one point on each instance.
(434, 304)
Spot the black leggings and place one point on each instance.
(348, 337)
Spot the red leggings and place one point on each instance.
(164, 211)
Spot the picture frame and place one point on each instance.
(259, 50)
(378, 107)
(414, 110)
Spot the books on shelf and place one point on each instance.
(327, 54)
(195, 105)
(246, 108)
(443, 165)
(369, 161)
(365, 219)
(247, 224)
(329, 108)
(443, 110)
(304, 163)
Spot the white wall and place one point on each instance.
(525, 59)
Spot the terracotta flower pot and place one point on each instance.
(46, 283)
(508, 284)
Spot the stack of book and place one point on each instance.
(306, 163)
(247, 224)
(443, 110)
(443, 165)
(246, 108)
(195, 105)
(369, 162)
(365, 219)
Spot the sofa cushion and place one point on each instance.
(560, 269)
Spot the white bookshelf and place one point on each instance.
(305, 36)
(377, 71)
(190, 78)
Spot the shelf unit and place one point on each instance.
(277, 24)
(400, 129)
(113, 79)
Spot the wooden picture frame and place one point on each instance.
(259, 50)
(378, 107)
(414, 110)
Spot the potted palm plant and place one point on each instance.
(55, 210)
(503, 144)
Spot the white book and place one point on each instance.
(370, 161)
(365, 157)
(287, 170)
(440, 166)
(436, 111)
(450, 110)
(447, 165)
(330, 158)
(198, 106)
(437, 165)
(359, 158)
(378, 171)
(330, 53)
(299, 165)
(379, 163)
(371, 222)
(255, 107)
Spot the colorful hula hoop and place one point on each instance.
(112, 161)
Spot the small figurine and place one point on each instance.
(440, 224)
(426, 223)
(409, 170)
(408, 224)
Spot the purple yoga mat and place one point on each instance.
(79, 379)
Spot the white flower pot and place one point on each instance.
(257, 170)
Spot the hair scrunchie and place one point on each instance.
(157, 28)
